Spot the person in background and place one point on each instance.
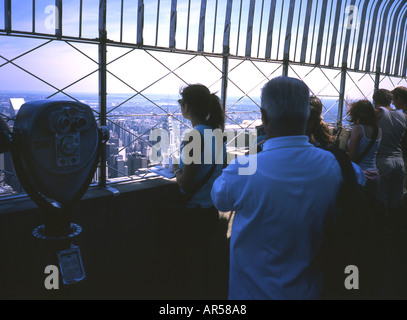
(317, 130)
(400, 103)
(365, 141)
(389, 155)
(282, 207)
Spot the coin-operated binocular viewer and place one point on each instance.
(56, 147)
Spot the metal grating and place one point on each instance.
(352, 46)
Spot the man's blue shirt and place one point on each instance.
(281, 210)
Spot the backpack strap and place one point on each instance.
(348, 173)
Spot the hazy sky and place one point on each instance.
(60, 63)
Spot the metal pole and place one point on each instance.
(285, 65)
(225, 69)
(102, 85)
(377, 79)
(7, 15)
(341, 94)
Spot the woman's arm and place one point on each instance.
(355, 136)
(185, 178)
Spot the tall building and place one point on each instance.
(136, 161)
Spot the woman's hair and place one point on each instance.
(382, 97)
(316, 126)
(363, 111)
(204, 105)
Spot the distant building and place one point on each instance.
(135, 162)
(10, 177)
(14, 106)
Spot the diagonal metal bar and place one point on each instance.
(356, 84)
(73, 83)
(25, 53)
(139, 92)
(246, 94)
(38, 78)
(329, 80)
(138, 137)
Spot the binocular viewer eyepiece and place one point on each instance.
(55, 147)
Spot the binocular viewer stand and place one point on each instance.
(56, 147)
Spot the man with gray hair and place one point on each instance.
(283, 208)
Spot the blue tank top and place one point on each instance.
(203, 197)
(369, 161)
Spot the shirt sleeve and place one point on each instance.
(221, 192)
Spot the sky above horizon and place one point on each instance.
(56, 65)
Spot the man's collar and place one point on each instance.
(287, 141)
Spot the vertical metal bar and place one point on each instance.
(354, 39)
(7, 15)
(306, 31)
(173, 22)
(360, 38)
(341, 95)
(58, 24)
(225, 70)
(80, 18)
(249, 35)
(279, 30)
(285, 65)
(377, 79)
(392, 37)
(342, 30)
(376, 43)
(365, 47)
(225, 58)
(261, 25)
(140, 21)
(270, 29)
(327, 33)
(189, 15)
(157, 22)
(214, 26)
(404, 72)
(121, 20)
(388, 35)
(298, 30)
(321, 33)
(201, 33)
(33, 17)
(347, 39)
(102, 85)
(226, 30)
(287, 41)
(399, 48)
(335, 34)
(313, 31)
(382, 34)
(238, 28)
(372, 37)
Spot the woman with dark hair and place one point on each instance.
(317, 130)
(201, 162)
(365, 141)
